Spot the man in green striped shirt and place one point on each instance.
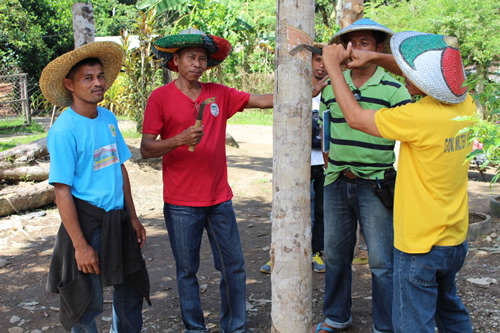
(359, 185)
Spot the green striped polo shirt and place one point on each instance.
(366, 155)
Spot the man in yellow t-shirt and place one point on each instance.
(430, 207)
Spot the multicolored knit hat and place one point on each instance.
(164, 48)
(364, 24)
(432, 63)
(110, 54)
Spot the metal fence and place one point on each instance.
(14, 100)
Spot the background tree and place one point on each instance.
(33, 32)
(475, 23)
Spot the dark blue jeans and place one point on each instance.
(425, 291)
(185, 227)
(346, 203)
(127, 303)
(317, 230)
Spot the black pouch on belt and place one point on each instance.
(384, 189)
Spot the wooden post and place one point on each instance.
(83, 23)
(23, 86)
(291, 275)
(83, 31)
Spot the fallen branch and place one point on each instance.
(38, 173)
(25, 154)
(17, 198)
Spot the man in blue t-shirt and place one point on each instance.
(100, 237)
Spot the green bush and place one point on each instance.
(485, 128)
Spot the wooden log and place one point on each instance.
(25, 154)
(39, 172)
(25, 196)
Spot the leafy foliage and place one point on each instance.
(475, 23)
(486, 131)
(129, 96)
(34, 32)
(111, 17)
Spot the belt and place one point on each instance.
(349, 174)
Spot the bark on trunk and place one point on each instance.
(26, 197)
(349, 11)
(23, 155)
(291, 275)
(37, 173)
(83, 23)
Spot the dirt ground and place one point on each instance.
(26, 242)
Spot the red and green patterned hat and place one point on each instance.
(218, 48)
(432, 63)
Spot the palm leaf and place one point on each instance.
(161, 5)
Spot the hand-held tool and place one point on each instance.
(300, 47)
(200, 116)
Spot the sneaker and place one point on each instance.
(324, 327)
(266, 268)
(317, 263)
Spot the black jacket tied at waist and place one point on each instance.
(120, 260)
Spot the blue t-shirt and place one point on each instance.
(87, 155)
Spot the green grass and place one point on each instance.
(16, 128)
(16, 125)
(15, 141)
(131, 134)
(259, 117)
(122, 117)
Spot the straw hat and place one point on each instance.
(432, 63)
(319, 45)
(51, 81)
(164, 48)
(364, 24)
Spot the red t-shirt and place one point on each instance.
(196, 178)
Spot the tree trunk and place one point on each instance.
(25, 154)
(37, 173)
(291, 275)
(482, 74)
(83, 23)
(15, 199)
(348, 12)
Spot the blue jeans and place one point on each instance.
(185, 227)
(425, 291)
(127, 303)
(347, 202)
(317, 229)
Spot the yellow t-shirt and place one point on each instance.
(430, 204)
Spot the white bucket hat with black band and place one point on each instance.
(432, 63)
(360, 25)
(110, 54)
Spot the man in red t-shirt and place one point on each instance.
(196, 192)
